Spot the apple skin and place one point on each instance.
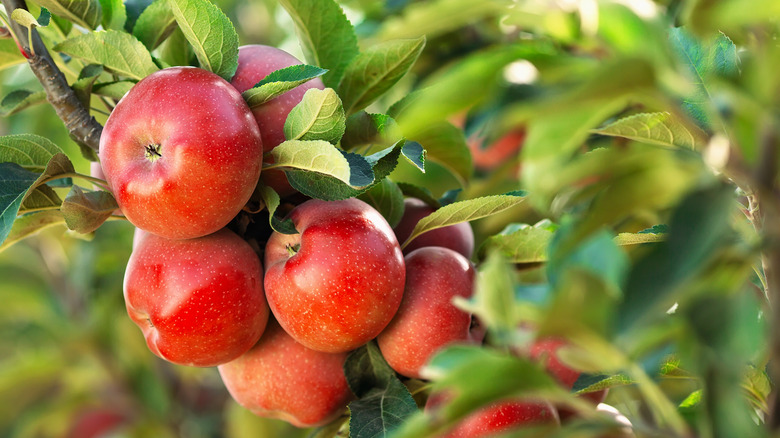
(255, 62)
(345, 281)
(546, 350)
(198, 302)
(280, 378)
(427, 320)
(458, 237)
(181, 153)
(499, 417)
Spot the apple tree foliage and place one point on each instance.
(640, 220)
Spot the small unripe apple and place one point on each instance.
(198, 302)
(427, 319)
(181, 152)
(500, 417)
(337, 284)
(280, 378)
(255, 62)
(458, 237)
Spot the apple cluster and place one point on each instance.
(182, 153)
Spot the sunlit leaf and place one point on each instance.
(118, 52)
(279, 82)
(319, 116)
(155, 24)
(85, 13)
(656, 128)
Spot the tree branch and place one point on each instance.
(82, 127)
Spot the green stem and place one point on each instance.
(97, 181)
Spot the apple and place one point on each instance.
(427, 320)
(181, 153)
(495, 154)
(96, 422)
(198, 302)
(280, 378)
(255, 62)
(499, 417)
(545, 350)
(337, 284)
(458, 237)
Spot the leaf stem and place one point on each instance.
(97, 181)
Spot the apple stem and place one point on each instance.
(152, 152)
(293, 249)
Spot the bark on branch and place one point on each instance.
(82, 127)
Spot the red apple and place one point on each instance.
(427, 320)
(499, 417)
(546, 351)
(337, 284)
(458, 237)
(198, 301)
(497, 153)
(181, 153)
(280, 378)
(95, 423)
(255, 62)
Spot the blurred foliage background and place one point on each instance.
(677, 329)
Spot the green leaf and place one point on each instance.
(14, 184)
(18, 100)
(32, 152)
(703, 59)
(327, 37)
(25, 18)
(118, 52)
(625, 239)
(41, 195)
(464, 211)
(422, 193)
(210, 33)
(83, 86)
(386, 198)
(115, 90)
(366, 369)
(318, 116)
(436, 17)
(279, 82)
(522, 243)
(155, 24)
(381, 411)
(85, 13)
(271, 200)
(321, 157)
(591, 382)
(446, 145)
(29, 224)
(656, 128)
(415, 153)
(85, 212)
(114, 14)
(373, 72)
(10, 54)
(363, 128)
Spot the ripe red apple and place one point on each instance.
(546, 351)
(280, 378)
(198, 301)
(427, 320)
(458, 237)
(181, 153)
(337, 284)
(489, 157)
(255, 62)
(499, 417)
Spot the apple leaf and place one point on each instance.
(115, 90)
(386, 198)
(114, 14)
(271, 200)
(595, 382)
(522, 243)
(446, 145)
(415, 153)
(373, 72)
(426, 18)
(703, 60)
(279, 82)
(464, 211)
(366, 369)
(421, 193)
(328, 188)
(656, 128)
(14, 184)
(318, 156)
(32, 152)
(85, 13)
(118, 52)
(318, 116)
(83, 86)
(29, 224)
(381, 411)
(155, 24)
(26, 19)
(363, 128)
(84, 212)
(10, 54)
(327, 37)
(210, 33)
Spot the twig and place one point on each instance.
(82, 127)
